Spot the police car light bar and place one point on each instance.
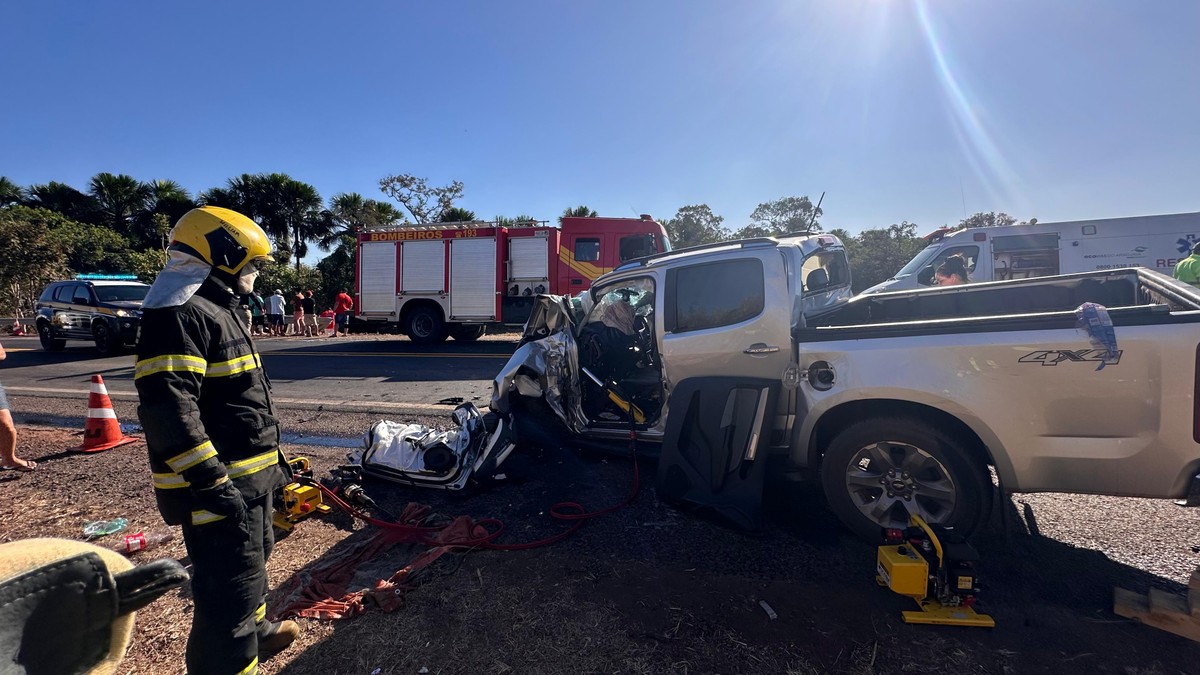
(106, 277)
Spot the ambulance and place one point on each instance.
(1045, 249)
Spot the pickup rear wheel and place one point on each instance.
(877, 472)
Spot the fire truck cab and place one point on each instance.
(441, 280)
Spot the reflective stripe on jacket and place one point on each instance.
(205, 402)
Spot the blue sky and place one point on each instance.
(898, 110)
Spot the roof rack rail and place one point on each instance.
(753, 242)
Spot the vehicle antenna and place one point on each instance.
(814, 212)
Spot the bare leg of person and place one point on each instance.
(8, 445)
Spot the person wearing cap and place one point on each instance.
(275, 313)
(212, 435)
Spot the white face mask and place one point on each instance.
(245, 281)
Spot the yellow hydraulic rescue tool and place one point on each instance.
(298, 499)
(939, 575)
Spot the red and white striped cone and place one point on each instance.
(102, 431)
(17, 329)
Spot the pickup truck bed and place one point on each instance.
(998, 374)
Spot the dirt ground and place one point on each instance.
(650, 589)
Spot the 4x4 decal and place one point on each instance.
(1053, 357)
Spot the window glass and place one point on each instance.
(918, 262)
(48, 294)
(82, 296)
(837, 269)
(64, 293)
(717, 294)
(636, 246)
(121, 293)
(618, 304)
(971, 253)
(587, 249)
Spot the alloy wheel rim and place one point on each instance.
(889, 481)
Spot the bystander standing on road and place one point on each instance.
(297, 313)
(258, 318)
(310, 314)
(1188, 269)
(275, 313)
(243, 311)
(8, 434)
(342, 305)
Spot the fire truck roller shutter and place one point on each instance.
(529, 267)
(377, 276)
(473, 279)
(424, 267)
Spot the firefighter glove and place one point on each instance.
(222, 499)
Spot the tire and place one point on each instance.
(467, 333)
(46, 337)
(425, 326)
(877, 471)
(105, 343)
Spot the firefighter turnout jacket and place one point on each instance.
(205, 404)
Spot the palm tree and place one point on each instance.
(350, 212)
(456, 214)
(64, 199)
(167, 202)
(120, 198)
(577, 212)
(10, 192)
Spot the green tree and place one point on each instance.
(784, 215)
(580, 211)
(146, 264)
(349, 213)
(456, 214)
(10, 192)
(64, 199)
(30, 257)
(695, 225)
(166, 202)
(989, 219)
(423, 203)
(119, 199)
(877, 254)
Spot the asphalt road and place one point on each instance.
(376, 371)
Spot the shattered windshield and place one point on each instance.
(618, 304)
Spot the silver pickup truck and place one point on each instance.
(753, 354)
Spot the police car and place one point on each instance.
(105, 309)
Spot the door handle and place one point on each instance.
(577, 282)
(760, 348)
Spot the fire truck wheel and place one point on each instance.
(425, 326)
(467, 333)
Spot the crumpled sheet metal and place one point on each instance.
(555, 360)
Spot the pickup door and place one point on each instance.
(722, 319)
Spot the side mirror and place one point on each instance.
(925, 277)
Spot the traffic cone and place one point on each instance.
(17, 329)
(101, 431)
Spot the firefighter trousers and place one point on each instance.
(229, 589)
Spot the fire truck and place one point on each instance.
(440, 280)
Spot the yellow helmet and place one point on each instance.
(225, 239)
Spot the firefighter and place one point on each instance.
(205, 406)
